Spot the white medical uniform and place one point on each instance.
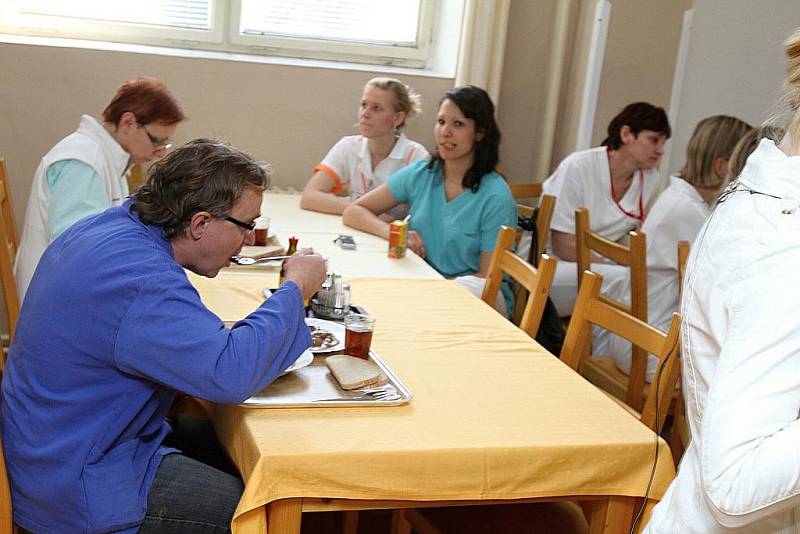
(583, 180)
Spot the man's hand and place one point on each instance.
(307, 270)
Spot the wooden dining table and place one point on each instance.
(494, 418)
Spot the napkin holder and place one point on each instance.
(355, 373)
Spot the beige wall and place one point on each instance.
(640, 54)
(735, 64)
(286, 115)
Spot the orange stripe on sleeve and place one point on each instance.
(338, 186)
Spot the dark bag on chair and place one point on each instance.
(551, 330)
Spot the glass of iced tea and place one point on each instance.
(358, 334)
(261, 231)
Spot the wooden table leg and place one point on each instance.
(284, 516)
(350, 522)
(619, 514)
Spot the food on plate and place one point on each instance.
(321, 338)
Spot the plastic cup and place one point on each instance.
(358, 330)
(261, 231)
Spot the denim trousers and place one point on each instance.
(196, 491)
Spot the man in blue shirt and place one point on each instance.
(111, 328)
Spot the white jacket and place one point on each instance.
(91, 144)
(741, 361)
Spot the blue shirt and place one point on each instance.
(110, 328)
(455, 233)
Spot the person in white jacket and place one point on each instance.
(357, 164)
(741, 352)
(677, 215)
(85, 172)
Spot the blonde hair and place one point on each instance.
(792, 84)
(405, 98)
(714, 137)
(748, 143)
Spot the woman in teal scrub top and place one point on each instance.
(457, 201)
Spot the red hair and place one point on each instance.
(148, 99)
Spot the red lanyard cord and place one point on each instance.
(639, 217)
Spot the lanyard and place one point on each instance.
(639, 217)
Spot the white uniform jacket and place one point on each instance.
(741, 361)
(91, 144)
(677, 215)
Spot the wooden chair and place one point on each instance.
(602, 371)
(591, 309)
(543, 214)
(547, 204)
(680, 435)
(135, 178)
(9, 243)
(536, 281)
(6, 517)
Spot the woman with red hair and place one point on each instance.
(85, 172)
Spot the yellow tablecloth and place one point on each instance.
(493, 416)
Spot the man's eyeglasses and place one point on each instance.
(157, 143)
(250, 227)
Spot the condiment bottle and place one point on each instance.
(291, 250)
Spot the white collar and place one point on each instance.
(90, 127)
(769, 170)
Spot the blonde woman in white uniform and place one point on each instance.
(358, 164)
(615, 181)
(677, 215)
(741, 352)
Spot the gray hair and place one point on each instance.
(202, 175)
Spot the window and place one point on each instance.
(391, 32)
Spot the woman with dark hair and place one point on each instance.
(457, 201)
(85, 172)
(615, 181)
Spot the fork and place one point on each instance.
(384, 395)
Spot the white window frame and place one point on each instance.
(223, 36)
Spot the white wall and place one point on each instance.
(735, 64)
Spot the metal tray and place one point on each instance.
(306, 387)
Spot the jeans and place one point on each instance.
(196, 491)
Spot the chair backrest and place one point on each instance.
(633, 256)
(9, 243)
(683, 257)
(536, 281)
(680, 434)
(590, 309)
(135, 178)
(547, 205)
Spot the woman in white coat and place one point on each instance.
(677, 215)
(741, 351)
(616, 182)
(85, 173)
(357, 164)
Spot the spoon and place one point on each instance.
(243, 260)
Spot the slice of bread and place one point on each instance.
(355, 373)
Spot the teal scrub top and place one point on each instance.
(455, 233)
(76, 191)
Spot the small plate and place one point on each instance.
(336, 329)
(304, 360)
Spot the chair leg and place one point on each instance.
(400, 524)
(350, 522)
